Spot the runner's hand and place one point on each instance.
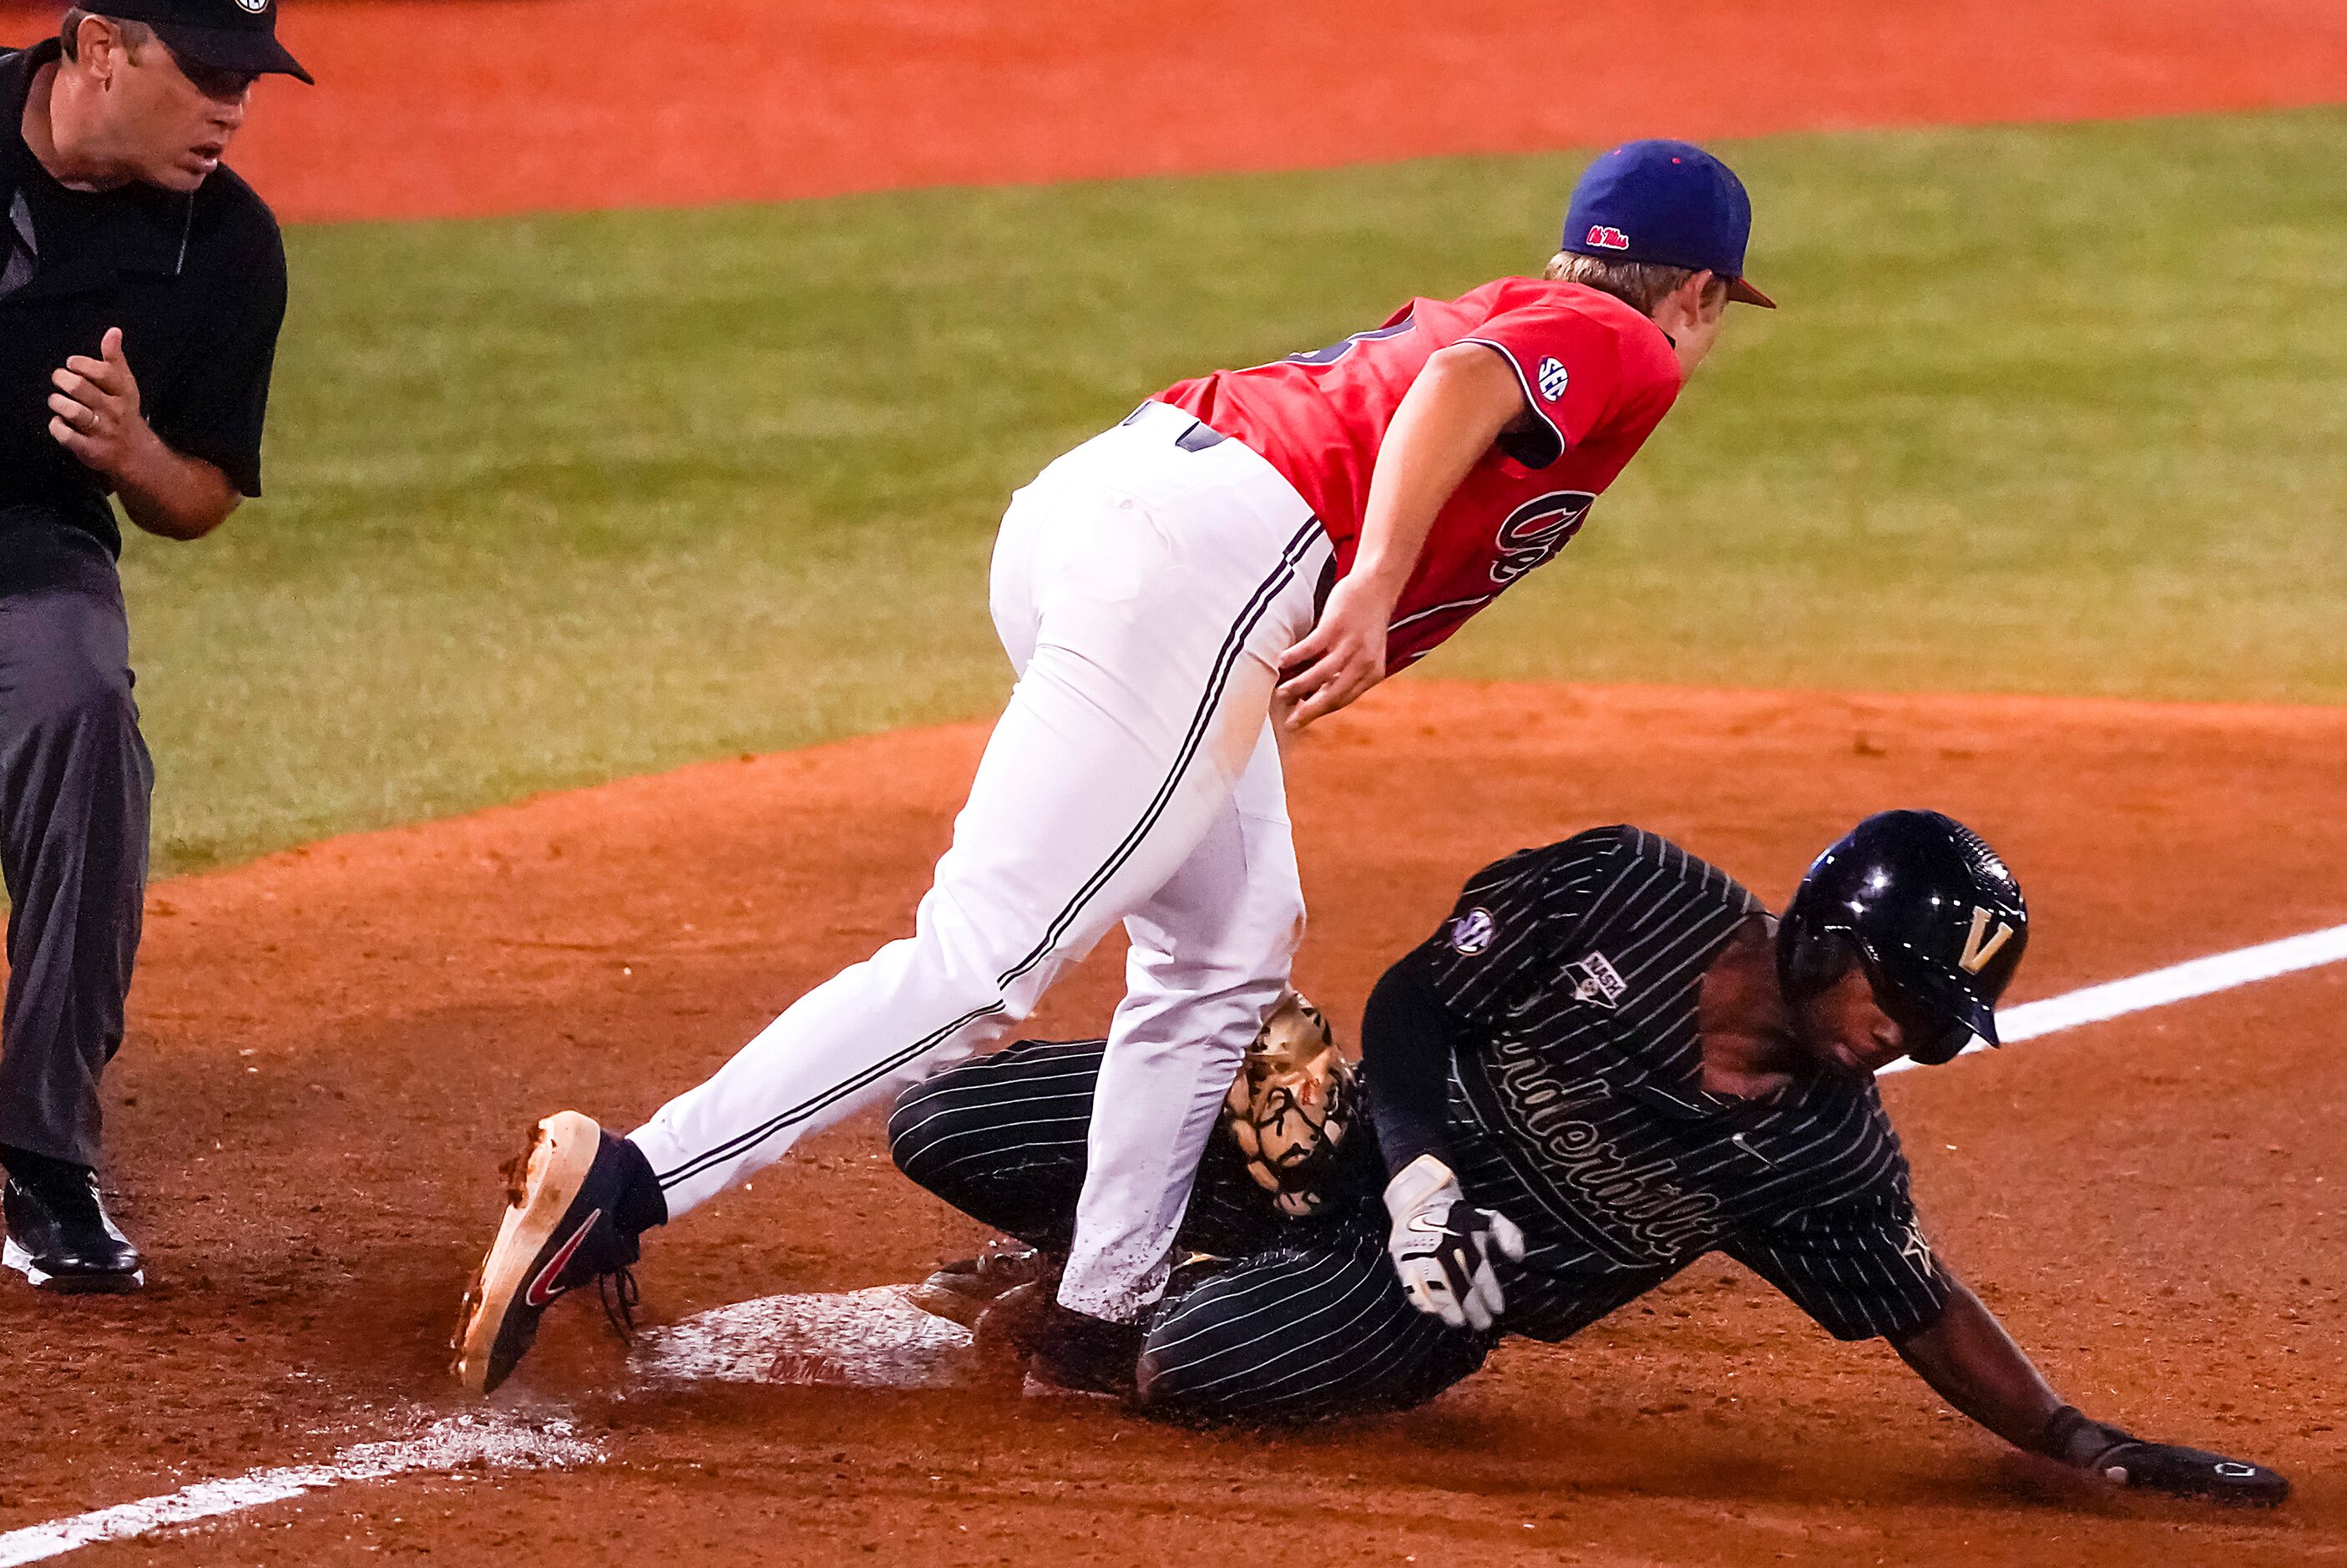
(2125, 1459)
(1442, 1246)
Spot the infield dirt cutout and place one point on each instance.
(333, 1050)
(434, 107)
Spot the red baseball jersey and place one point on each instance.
(1597, 375)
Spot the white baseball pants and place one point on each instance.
(1145, 586)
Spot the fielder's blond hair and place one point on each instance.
(1641, 285)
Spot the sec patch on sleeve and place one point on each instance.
(1552, 379)
(1471, 933)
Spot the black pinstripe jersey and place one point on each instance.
(1577, 1109)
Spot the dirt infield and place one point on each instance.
(455, 107)
(334, 1047)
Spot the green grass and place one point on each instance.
(558, 499)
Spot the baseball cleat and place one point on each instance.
(1077, 1354)
(565, 1195)
(62, 1241)
(1053, 1350)
(960, 1292)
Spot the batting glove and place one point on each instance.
(2126, 1459)
(1442, 1246)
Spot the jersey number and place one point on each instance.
(1536, 530)
(1337, 350)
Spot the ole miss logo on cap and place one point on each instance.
(1605, 236)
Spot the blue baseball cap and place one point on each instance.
(1669, 202)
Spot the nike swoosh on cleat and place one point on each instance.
(540, 1292)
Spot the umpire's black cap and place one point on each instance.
(1931, 911)
(226, 35)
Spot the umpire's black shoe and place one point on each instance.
(576, 1200)
(61, 1239)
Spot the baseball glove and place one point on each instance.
(1291, 1106)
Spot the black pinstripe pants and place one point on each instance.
(1287, 1322)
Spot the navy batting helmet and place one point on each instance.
(1931, 913)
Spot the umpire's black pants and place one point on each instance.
(74, 786)
(1293, 1322)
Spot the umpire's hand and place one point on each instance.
(94, 412)
(1442, 1246)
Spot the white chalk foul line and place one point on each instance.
(2160, 987)
(500, 1443)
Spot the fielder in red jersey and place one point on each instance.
(1594, 374)
(1461, 443)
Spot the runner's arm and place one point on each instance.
(1407, 1046)
(1973, 1363)
(1968, 1357)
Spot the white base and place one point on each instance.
(861, 1339)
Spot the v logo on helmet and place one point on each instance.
(1979, 951)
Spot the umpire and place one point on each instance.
(141, 290)
(1608, 1063)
